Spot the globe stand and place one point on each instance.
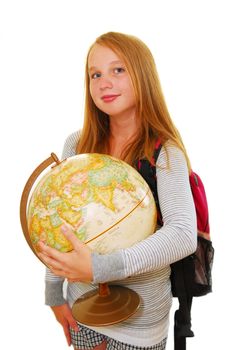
(108, 305)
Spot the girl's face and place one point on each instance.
(110, 84)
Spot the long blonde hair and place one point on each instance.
(151, 109)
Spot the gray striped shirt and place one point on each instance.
(145, 267)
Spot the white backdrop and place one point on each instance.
(42, 52)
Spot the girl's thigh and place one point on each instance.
(98, 347)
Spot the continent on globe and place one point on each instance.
(105, 201)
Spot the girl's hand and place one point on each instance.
(64, 316)
(75, 265)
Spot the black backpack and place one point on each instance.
(190, 276)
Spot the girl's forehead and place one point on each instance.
(102, 55)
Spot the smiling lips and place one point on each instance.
(109, 98)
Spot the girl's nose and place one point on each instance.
(105, 83)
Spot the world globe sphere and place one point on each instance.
(104, 201)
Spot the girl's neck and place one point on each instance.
(122, 129)
(122, 132)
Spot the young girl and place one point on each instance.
(125, 113)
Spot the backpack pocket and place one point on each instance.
(191, 276)
(203, 261)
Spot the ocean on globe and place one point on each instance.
(104, 201)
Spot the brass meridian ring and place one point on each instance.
(117, 222)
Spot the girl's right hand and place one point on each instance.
(64, 316)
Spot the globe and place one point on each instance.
(104, 201)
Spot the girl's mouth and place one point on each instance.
(109, 98)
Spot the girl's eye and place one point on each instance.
(95, 75)
(116, 70)
(119, 70)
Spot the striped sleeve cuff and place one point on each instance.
(109, 267)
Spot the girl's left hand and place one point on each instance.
(75, 265)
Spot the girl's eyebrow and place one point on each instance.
(112, 62)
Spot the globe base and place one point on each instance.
(112, 304)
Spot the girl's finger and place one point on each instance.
(50, 252)
(71, 237)
(67, 334)
(55, 265)
(73, 324)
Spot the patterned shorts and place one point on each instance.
(87, 339)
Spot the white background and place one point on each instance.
(42, 52)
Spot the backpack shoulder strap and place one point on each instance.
(148, 172)
(157, 149)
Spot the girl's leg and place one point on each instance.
(102, 346)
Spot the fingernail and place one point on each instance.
(75, 328)
(64, 228)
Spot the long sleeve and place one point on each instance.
(53, 283)
(173, 241)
